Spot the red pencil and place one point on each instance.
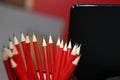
(56, 55)
(37, 55)
(30, 65)
(78, 51)
(72, 57)
(7, 65)
(70, 69)
(57, 50)
(17, 70)
(23, 42)
(11, 45)
(52, 56)
(77, 54)
(11, 56)
(58, 63)
(44, 48)
(13, 50)
(69, 48)
(19, 56)
(23, 47)
(63, 61)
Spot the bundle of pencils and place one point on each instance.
(60, 60)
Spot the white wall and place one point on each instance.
(13, 20)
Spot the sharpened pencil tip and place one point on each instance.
(65, 47)
(58, 41)
(74, 50)
(15, 40)
(34, 38)
(10, 54)
(75, 62)
(61, 44)
(69, 44)
(11, 45)
(22, 37)
(50, 39)
(13, 64)
(27, 39)
(78, 50)
(44, 42)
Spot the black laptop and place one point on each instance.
(97, 28)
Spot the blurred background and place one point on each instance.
(43, 17)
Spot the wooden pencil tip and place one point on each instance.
(75, 62)
(74, 50)
(15, 40)
(13, 64)
(44, 42)
(65, 47)
(78, 50)
(4, 55)
(69, 44)
(22, 37)
(34, 38)
(50, 39)
(61, 44)
(11, 45)
(58, 41)
(10, 54)
(27, 39)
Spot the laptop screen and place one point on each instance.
(97, 28)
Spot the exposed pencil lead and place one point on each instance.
(21, 33)
(11, 45)
(9, 39)
(27, 39)
(26, 34)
